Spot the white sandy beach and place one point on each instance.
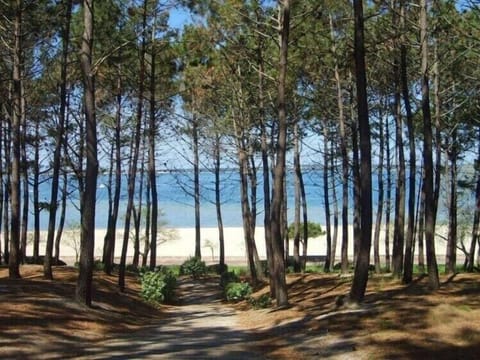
(179, 244)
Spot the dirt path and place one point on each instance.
(200, 327)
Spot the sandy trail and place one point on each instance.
(201, 327)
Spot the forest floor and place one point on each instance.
(39, 319)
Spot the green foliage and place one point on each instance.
(262, 302)
(314, 230)
(237, 291)
(217, 269)
(158, 286)
(227, 278)
(194, 267)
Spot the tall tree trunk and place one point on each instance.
(326, 198)
(132, 171)
(25, 186)
(116, 157)
(61, 220)
(246, 213)
(359, 284)
(378, 222)
(196, 185)
(298, 200)
(409, 240)
(388, 205)
(35, 190)
(152, 171)
(343, 145)
(14, 255)
(476, 217)
(399, 226)
(47, 265)
(357, 206)
(83, 291)
(421, 228)
(333, 169)
(427, 153)
(281, 295)
(451, 258)
(2, 177)
(218, 202)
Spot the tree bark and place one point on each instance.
(15, 198)
(430, 208)
(281, 295)
(326, 198)
(47, 265)
(343, 144)
(359, 284)
(410, 236)
(152, 172)
(132, 171)
(218, 202)
(451, 258)
(83, 291)
(378, 222)
(476, 217)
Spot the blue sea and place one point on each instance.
(177, 204)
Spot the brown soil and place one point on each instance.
(396, 321)
(39, 319)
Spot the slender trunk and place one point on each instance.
(388, 205)
(399, 227)
(246, 213)
(281, 295)
(427, 154)
(110, 236)
(252, 176)
(132, 171)
(138, 210)
(14, 255)
(357, 211)
(35, 190)
(378, 222)
(83, 291)
(298, 200)
(218, 202)
(476, 218)
(343, 146)
(326, 198)
(146, 245)
(47, 266)
(152, 171)
(421, 228)
(333, 169)
(2, 176)
(451, 258)
(196, 184)
(360, 279)
(410, 236)
(61, 220)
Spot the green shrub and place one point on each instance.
(194, 267)
(158, 286)
(237, 291)
(314, 230)
(98, 265)
(227, 278)
(262, 302)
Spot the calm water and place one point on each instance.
(177, 205)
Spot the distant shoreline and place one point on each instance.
(179, 243)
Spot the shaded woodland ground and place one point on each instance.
(39, 319)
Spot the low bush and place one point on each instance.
(227, 278)
(194, 267)
(237, 291)
(158, 286)
(262, 302)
